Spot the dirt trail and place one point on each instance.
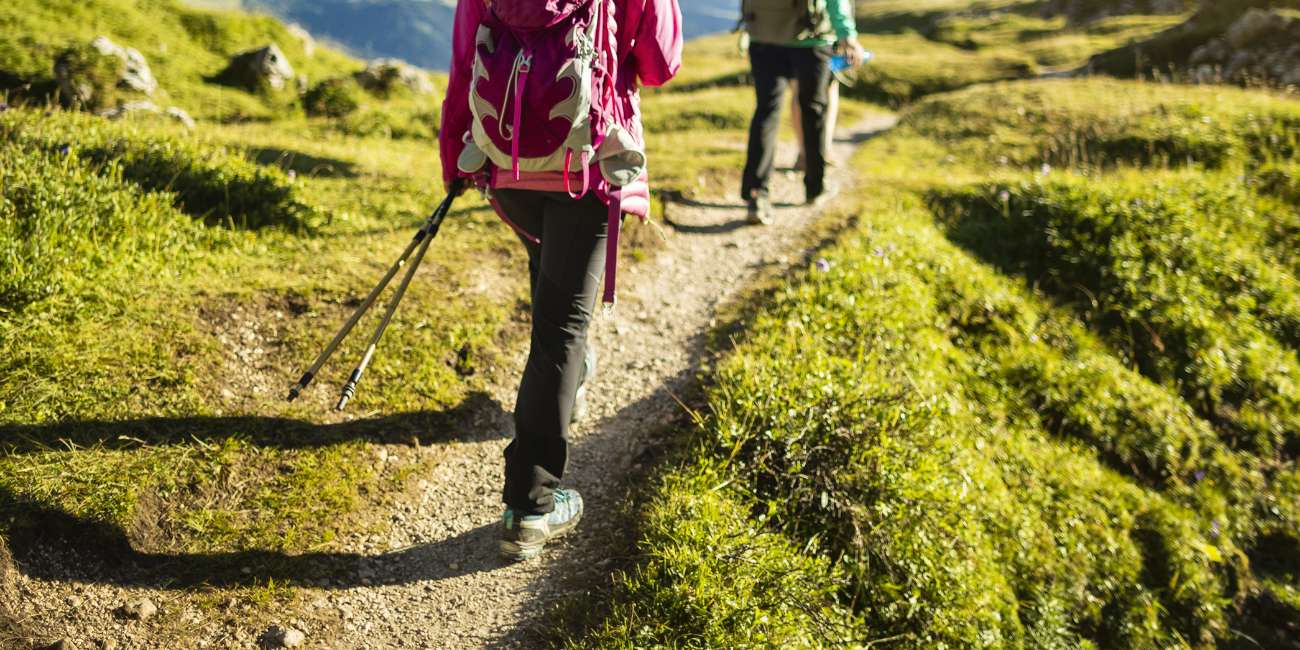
(437, 581)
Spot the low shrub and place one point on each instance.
(93, 77)
(1281, 180)
(207, 181)
(333, 98)
(397, 120)
(64, 221)
(1165, 269)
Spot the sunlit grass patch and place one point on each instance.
(990, 461)
(1100, 122)
(208, 182)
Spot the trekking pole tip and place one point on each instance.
(299, 387)
(349, 391)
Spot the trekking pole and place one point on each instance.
(425, 233)
(435, 222)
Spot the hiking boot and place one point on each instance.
(523, 537)
(818, 198)
(760, 210)
(580, 408)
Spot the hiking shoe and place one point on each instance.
(524, 537)
(818, 199)
(588, 373)
(760, 210)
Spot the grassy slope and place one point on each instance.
(943, 455)
(936, 46)
(185, 47)
(166, 287)
(153, 321)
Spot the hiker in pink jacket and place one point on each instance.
(543, 112)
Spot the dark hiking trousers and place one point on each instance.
(773, 67)
(565, 271)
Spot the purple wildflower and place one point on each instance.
(823, 265)
(64, 149)
(4, 106)
(292, 174)
(1045, 170)
(1214, 529)
(1199, 475)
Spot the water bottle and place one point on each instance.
(840, 63)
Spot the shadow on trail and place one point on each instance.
(50, 543)
(713, 228)
(427, 427)
(67, 548)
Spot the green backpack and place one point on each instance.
(781, 22)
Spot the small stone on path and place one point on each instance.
(140, 610)
(283, 637)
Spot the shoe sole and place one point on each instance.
(522, 551)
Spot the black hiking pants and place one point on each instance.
(773, 67)
(565, 270)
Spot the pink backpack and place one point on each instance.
(542, 99)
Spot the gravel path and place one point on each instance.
(437, 581)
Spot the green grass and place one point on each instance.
(173, 284)
(1017, 410)
(926, 48)
(167, 286)
(62, 221)
(1105, 123)
(212, 184)
(1161, 267)
(904, 68)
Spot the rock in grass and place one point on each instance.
(1259, 46)
(88, 75)
(180, 116)
(263, 68)
(283, 637)
(140, 610)
(126, 109)
(136, 74)
(383, 76)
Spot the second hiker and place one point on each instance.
(792, 40)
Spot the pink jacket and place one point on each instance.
(648, 35)
(648, 38)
